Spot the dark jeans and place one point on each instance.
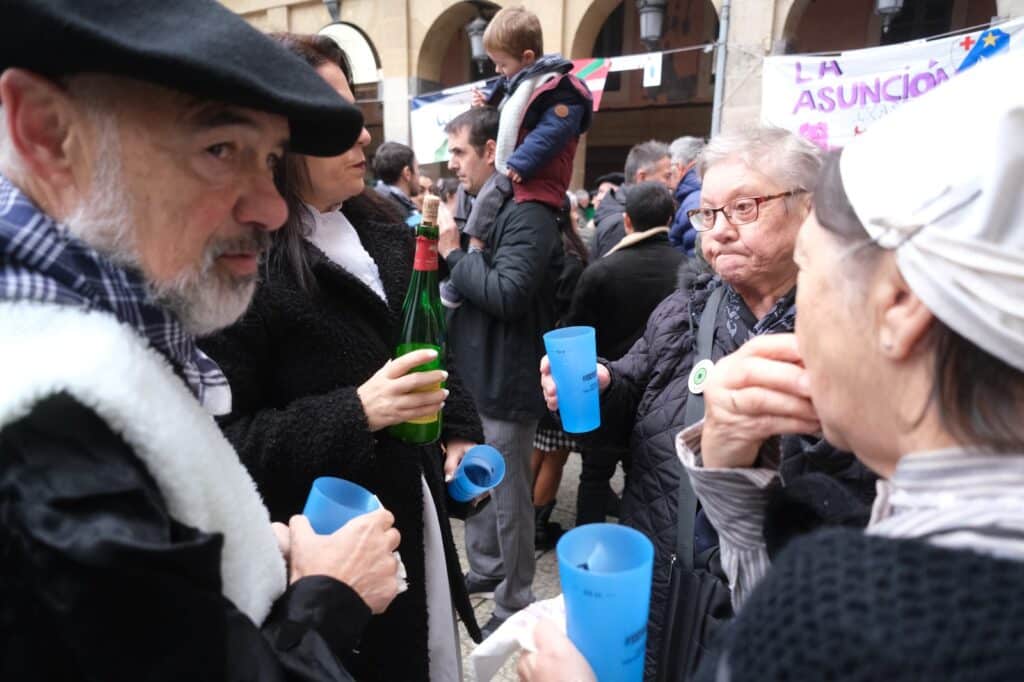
(597, 470)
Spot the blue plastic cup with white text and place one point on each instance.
(481, 469)
(333, 502)
(572, 352)
(605, 571)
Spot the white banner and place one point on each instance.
(830, 99)
(431, 113)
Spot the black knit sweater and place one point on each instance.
(294, 363)
(841, 605)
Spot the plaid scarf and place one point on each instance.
(41, 262)
(735, 324)
(743, 326)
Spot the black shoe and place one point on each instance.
(483, 588)
(545, 532)
(546, 536)
(491, 625)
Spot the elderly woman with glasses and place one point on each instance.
(754, 199)
(909, 351)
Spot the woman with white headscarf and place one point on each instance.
(909, 350)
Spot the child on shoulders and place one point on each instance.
(543, 111)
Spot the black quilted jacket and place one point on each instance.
(644, 409)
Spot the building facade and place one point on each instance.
(404, 48)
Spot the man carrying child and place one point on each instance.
(543, 111)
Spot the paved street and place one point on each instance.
(545, 583)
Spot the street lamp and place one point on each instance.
(888, 9)
(475, 30)
(652, 21)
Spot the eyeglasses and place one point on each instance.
(738, 211)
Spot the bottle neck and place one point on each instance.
(426, 255)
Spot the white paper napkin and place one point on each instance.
(515, 634)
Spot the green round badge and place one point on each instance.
(699, 375)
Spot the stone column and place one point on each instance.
(750, 37)
(387, 23)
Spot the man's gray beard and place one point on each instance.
(202, 299)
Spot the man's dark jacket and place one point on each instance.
(496, 335)
(295, 362)
(98, 581)
(396, 198)
(608, 221)
(682, 235)
(616, 293)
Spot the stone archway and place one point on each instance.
(589, 26)
(793, 11)
(436, 41)
(362, 53)
(630, 113)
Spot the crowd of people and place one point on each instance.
(814, 358)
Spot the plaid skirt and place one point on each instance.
(553, 439)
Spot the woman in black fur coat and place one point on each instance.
(314, 388)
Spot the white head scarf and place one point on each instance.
(941, 181)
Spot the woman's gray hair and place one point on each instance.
(779, 154)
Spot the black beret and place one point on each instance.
(614, 178)
(195, 46)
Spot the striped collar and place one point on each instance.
(41, 262)
(942, 490)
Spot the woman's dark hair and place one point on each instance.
(292, 174)
(979, 396)
(447, 187)
(316, 50)
(571, 241)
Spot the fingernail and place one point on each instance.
(444, 375)
(804, 382)
(448, 478)
(442, 405)
(446, 393)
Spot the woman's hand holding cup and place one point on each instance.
(755, 393)
(547, 382)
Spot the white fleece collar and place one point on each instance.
(109, 368)
(635, 238)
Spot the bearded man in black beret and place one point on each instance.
(138, 143)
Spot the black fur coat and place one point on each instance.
(294, 362)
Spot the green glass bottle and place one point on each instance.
(423, 321)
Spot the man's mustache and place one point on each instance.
(257, 241)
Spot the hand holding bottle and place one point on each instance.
(396, 394)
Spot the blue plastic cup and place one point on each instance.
(605, 571)
(481, 469)
(333, 502)
(572, 352)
